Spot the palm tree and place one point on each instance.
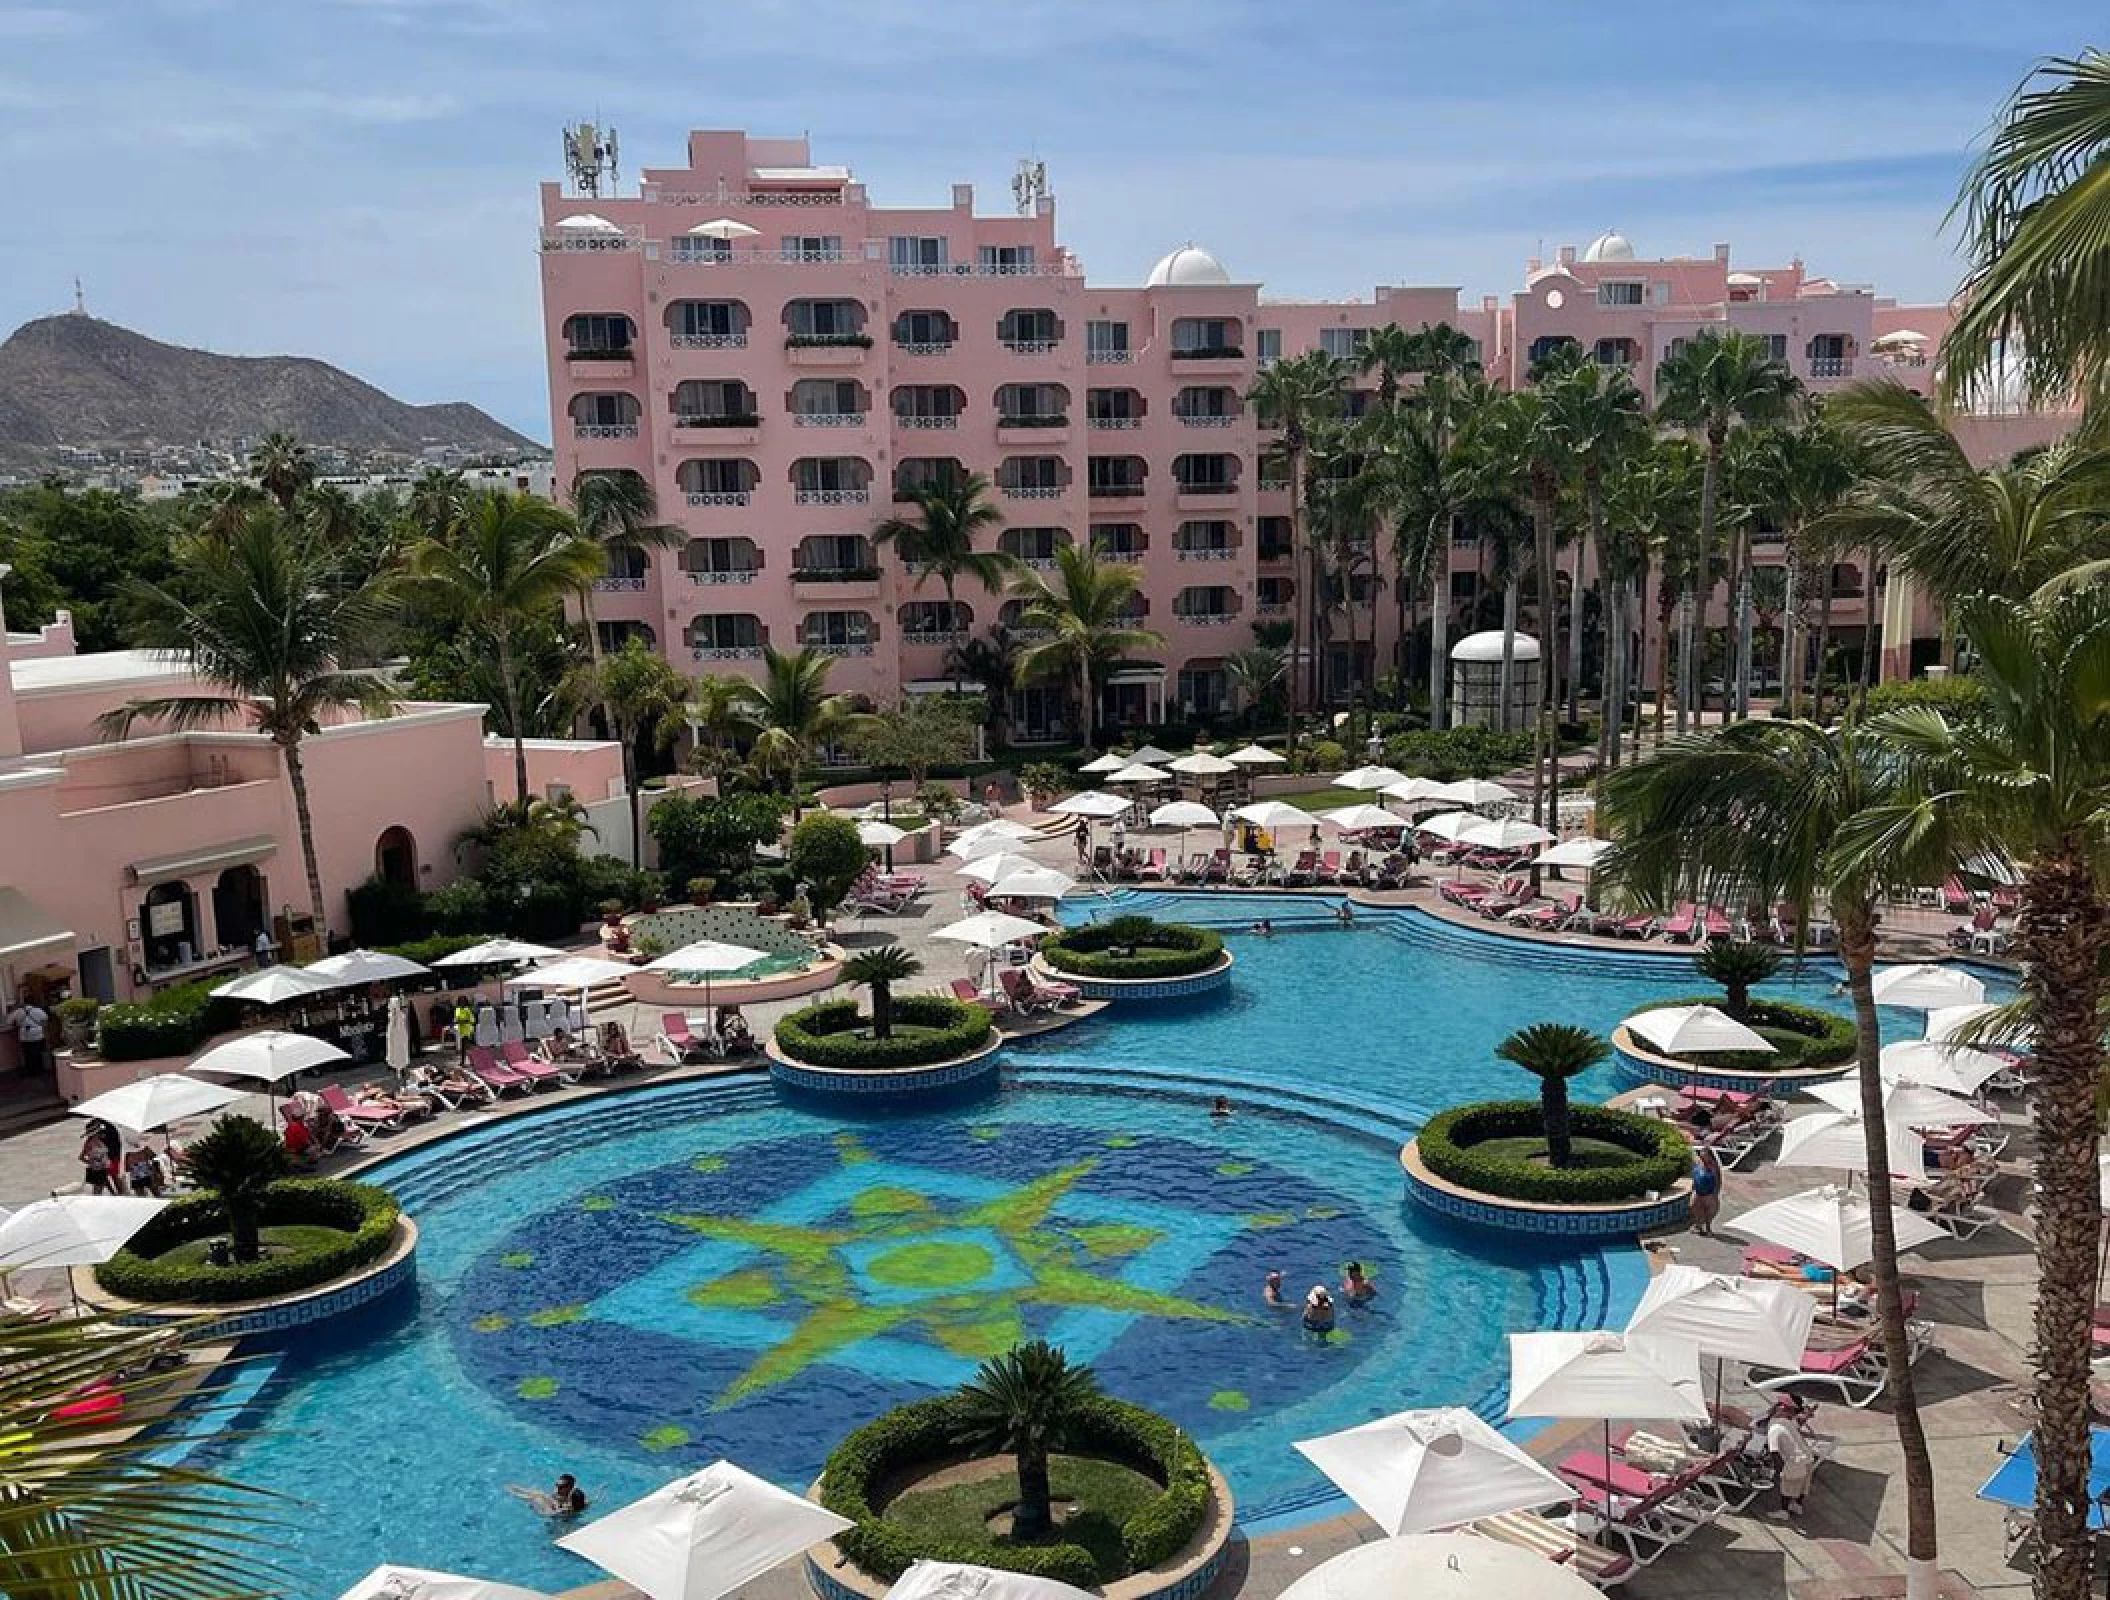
(1717, 383)
(1294, 397)
(645, 701)
(264, 618)
(1083, 609)
(1814, 467)
(2035, 214)
(1758, 812)
(508, 559)
(1598, 413)
(1554, 1052)
(1025, 1403)
(990, 662)
(1738, 968)
(85, 1515)
(939, 540)
(438, 499)
(1391, 352)
(790, 711)
(1257, 674)
(714, 712)
(2029, 777)
(282, 468)
(618, 512)
(237, 1160)
(879, 969)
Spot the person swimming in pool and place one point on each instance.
(1318, 1311)
(564, 1499)
(1264, 928)
(1222, 1107)
(1356, 1285)
(1271, 1290)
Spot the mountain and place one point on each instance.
(76, 380)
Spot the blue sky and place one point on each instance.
(355, 179)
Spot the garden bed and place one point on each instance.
(927, 1028)
(1803, 1037)
(1133, 948)
(1497, 1148)
(314, 1230)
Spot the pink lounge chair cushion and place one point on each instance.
(1831, 1363)
(1592, 1466)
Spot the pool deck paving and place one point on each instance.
(1849, 1545)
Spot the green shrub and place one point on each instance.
(1448, 753)
(825, 852)
(612, 878)
(426, 951)
(459, 907)
(1447, 1141)
(77, 1021)
(1044, 779)
(1801, 1036)
(364, 1214)
(1953, 697)
(923, 1435)
(1133, 947)
(387, 913)
(173, 1023)
(927, 1028)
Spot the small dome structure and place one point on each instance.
(1488, 647)
(1610, 245)
(1476, 681)
(1188, 267)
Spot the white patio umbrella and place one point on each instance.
(1680, 1029)
(1184, 814)
(1506, 833)
(1201, 764)
(1139, 772)
(1089, 803)
(952, 1580)
(1274, 814)
(419, 1583)
(1956, 1068)
(1473, 793)
(1369, 778)
(706, 958)
(1112, 761)
(1830, 1225)
(1033, 883)
(1926, 986)
(878, 834)
(586, 222)
(499, 953)
(1838, 1139)
(269, 1056)
(1254, 755)
(1361, 818)
(395, 1044)
(1944, 1023)
(1598, 1376)
(1902, 338)
(1451, 825)
(357, 967)
(1417, 791)
(1580, 854)
(987, 836)
(703, 1536)
(72, 1230)
(1422, 1470)
(724, 228)
(1906, 1102)
(990, 930)
(1150, 755)
(573, 972)
(989, 868)
(1761, 1321)
(1439, 1566)
(148, 1105)
(270, 986)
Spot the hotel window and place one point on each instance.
(1104, 339)
(1269, 346)
(923, 327)
(1343, 342)
(911, 254)
(1776, 346)
(1659, 292)
(837, 630)
(1620, 294)
(707, 319)
(1005, 258)
(701, 247)
(812, 247)
(725, 631)
(1193, 335)
(1117, 541)
(820, 319)
(601, 332)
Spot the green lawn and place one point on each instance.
(1583, 1152)
(294, 1239)
(1093, 1499)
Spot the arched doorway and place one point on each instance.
(396, 858)
(238, 906)
(168, 923)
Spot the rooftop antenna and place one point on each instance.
(590, 158)
(1029, 186)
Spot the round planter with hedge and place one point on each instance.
(1804, 1038)
(339, 1227)
(865, 1472)
(1133, 949)
(927, 1028)
(1482, 1147)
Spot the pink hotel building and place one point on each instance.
(781, 359)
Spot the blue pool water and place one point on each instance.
(631, 1287)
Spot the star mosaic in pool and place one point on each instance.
(687, 1305)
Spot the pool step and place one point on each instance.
(1395, 1124)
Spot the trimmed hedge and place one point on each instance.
(1447, 1141)
(1133, 947)
(172, 1023)
(1801, 1036)
(941, 1029)
(365, 1214)
(924, 1434)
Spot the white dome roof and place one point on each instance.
(1610, 246)
(1189, 266)
(1488, 647)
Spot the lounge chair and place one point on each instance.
(1855, 1369)
(1546, 914)
(360, 1113)
(1684, 923)
(1153, 870)
(681, 1044)
(1018, 989)
(1305, 870)
(516, 1055)
(1329, 868)
(1715, 923)
(1463, 891)
(1648, 1516)
(971, 992)
(495, 1075)
(1955, 899)
(1527, 1530)
(1637, 927)
(616, 1049)
(1695, 1478)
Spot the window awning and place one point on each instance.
(1148, 674)
(26, 928)
(213, 858)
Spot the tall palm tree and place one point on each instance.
(939, 540)
(1598, 412)
(714, 712)
(1717, 383)
(989, 661)
(1026, 1403)
(1554, 1052)
(1257, 674)
(790, 711)
(282, 467)
(1392, 352)
(264, 619)
(1083, 608)
(438, 498)
(1293, 398)
(1814, 468)
(1758, 812)
(879, 969)
(2029, 778)
(618, 512)
(87, 1516)
(2035, 214)
(645, 701)
(506, 560)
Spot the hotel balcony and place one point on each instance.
(1827, 367)
(828, 419)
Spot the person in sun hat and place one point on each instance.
(1318, 1311)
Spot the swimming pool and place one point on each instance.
(629, 1287)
